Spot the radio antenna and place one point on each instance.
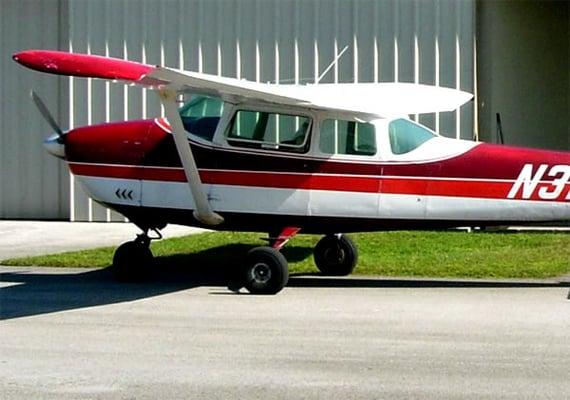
(332, 64)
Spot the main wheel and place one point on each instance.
(266, 271)
(132, 261)
(336, 255)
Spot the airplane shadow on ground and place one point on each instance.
(36, 293)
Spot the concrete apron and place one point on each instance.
(29, 238)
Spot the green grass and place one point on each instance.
(426, 254)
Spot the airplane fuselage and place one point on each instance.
(134, 168)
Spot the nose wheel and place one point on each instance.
(133, 261)
(336, 255)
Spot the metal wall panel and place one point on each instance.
(285, 41)
(523, 51)
(32, 183)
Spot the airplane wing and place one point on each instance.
(382, 99)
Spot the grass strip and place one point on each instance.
(405, 253)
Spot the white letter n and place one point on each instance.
(527, 181)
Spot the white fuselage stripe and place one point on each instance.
(326, 203)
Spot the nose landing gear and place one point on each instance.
(133, 261)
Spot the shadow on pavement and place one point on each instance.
(37, 292)
(316, 280)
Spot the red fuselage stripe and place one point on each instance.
(345, 183)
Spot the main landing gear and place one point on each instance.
(133, 261)
(336, 255)
(267, 272)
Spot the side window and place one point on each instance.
(201, 115)
(270, 131)
(406, 136)
(347, 137)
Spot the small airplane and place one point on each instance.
(323, 159)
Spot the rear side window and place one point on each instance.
(347, 137)
(406, 136)
(267, 130)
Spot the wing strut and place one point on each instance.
(203, 212)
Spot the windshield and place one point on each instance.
(201, 115)
(406, 135)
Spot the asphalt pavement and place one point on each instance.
(74, 333)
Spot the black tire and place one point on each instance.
(132, 262)
(336, 255)
(266, 271)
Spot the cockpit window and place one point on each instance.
(271, 131)
(406, 136)
(201, 115)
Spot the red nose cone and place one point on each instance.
(112, 143)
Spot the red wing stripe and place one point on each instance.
(359, 184)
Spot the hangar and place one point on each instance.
(514, 55)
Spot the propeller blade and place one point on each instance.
(46, 114)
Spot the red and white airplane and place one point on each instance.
(322, 159)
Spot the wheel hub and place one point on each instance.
(260, 273)
(334, 255)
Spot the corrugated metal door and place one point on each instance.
(427, 41)
(272, 41)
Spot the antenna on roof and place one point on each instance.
(332, 64)
(500, 137)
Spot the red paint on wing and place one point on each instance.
(83, 65)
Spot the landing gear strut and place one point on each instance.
(133, 261)
(336, 255)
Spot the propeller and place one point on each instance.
(46, 114)
(55, 144)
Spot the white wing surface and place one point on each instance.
(382, 99)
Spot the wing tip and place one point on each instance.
(82, 65)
